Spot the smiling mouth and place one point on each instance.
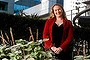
(58, 14)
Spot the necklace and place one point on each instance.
(59, 24)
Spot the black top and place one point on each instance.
(57, 32)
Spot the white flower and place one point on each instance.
(4, 59)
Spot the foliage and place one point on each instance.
(20, 25)
(81, 57)
(24, 50)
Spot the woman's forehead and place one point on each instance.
(56, 6)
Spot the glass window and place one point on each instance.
(3, 6)
(60, 2)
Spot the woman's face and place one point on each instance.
(57, 11)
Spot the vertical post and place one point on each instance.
(7, 37)
(71, 16)
(78, 9)
(37, 35)
(13, 42)
(31, 35)
(3, 40)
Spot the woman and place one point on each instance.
(58, 33)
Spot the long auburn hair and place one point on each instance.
(52, 15)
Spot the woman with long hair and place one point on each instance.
(58, 33)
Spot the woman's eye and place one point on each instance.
(55, 10)
(60, 10)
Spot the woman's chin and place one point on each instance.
(58, 16)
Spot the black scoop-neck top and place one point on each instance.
(57, 32)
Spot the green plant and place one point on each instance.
(24, 50)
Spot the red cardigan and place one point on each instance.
(67, 33)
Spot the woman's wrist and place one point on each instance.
(45, 39)
(60, 48)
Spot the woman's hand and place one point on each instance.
(56, 50)
(53, 49)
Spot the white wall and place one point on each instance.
(40, 9)
(71, 5)
(33, 10)
(45, 6)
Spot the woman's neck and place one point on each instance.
(59, 18)
(59, 21)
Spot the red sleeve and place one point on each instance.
(46, 30)
(47, 44)
(69, 37)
